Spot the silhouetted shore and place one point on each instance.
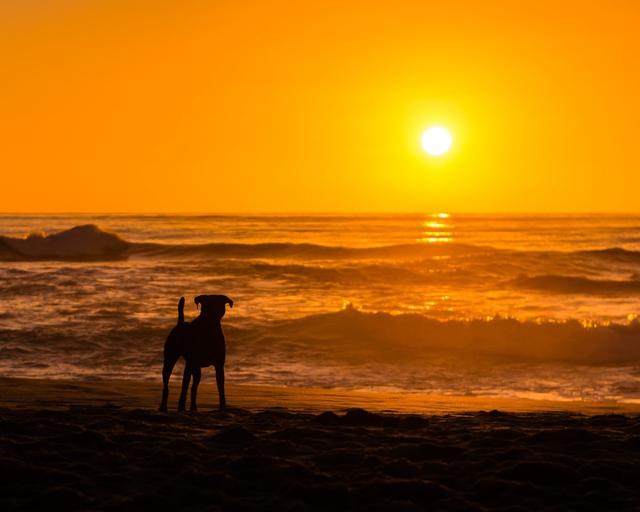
(102, 446)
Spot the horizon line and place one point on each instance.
(336, 212)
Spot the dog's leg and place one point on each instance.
(197, 374)
(220, 383)
(186, 377)
(167, 368)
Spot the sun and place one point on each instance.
(436, 140)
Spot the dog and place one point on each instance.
(201, 343)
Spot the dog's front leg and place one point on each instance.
(186, 377)
(197, 374)
(220, 384)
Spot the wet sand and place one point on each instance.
(102, 446)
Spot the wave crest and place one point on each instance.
(86, 242)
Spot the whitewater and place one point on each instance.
(540, 306)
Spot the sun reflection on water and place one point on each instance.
(435, 239)
(437, 231)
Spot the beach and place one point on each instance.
(102, 446)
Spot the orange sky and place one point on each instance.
(268, 106)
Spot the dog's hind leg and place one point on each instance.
(186, 378)
(167, 368)
(196, 373)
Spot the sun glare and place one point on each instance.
(436, 140)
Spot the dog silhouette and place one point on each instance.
(201, 343)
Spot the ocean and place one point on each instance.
(538, 306)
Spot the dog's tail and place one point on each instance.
(181, 311)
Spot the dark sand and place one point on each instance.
(102, 446)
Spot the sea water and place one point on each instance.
(539, 306)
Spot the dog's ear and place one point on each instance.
(227, 300)
(198, 301)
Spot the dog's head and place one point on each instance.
(213, 305)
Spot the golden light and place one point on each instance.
(436, 140)
(437, 233)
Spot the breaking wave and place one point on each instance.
(83, 243)
(353, 334)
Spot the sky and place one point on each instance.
(289, 106)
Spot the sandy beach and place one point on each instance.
(102, 446)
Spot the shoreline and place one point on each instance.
(22, 393)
